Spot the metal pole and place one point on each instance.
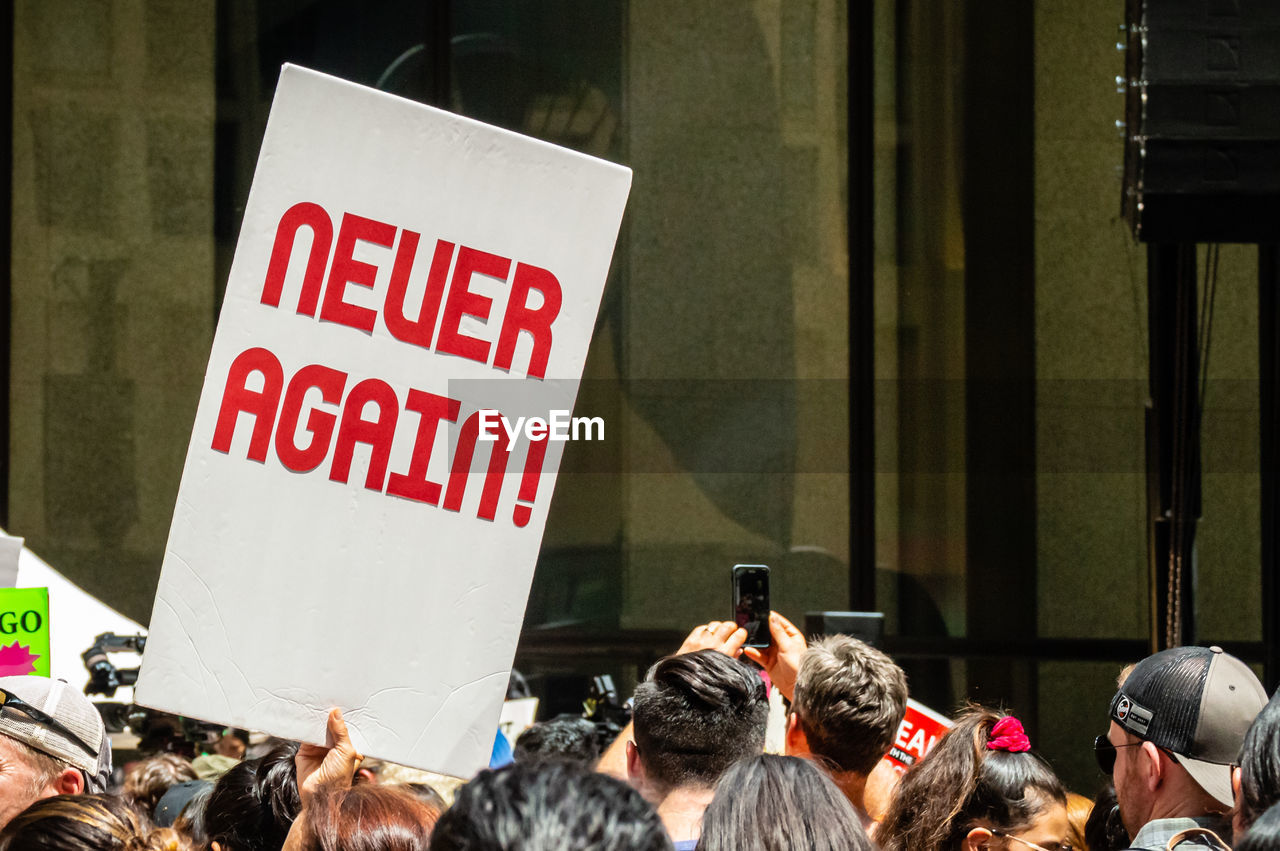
(1173, 441)
(1268, 376)
(862, 480)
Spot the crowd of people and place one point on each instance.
(1192, 750)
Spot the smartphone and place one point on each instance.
(751, 602)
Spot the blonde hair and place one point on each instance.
(87, 823)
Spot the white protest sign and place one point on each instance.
(10, 552)
(343, 535)
(517, 716)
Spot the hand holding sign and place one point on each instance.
(321, 769)
(331, 766)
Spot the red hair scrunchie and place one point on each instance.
(1008, 735)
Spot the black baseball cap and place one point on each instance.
(1196, 703)
(175, 800)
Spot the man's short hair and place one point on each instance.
(567, 737)
(695, 715)
(546, 807)
(850, 699)
(44, 768)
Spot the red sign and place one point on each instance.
(919, 732)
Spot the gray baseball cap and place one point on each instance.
(1196, 703)
(71, 712)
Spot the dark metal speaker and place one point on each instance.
(1202, 120)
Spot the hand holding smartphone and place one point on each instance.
(751, 603)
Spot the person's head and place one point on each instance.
(150, 778)
(694, 716)
(568, 737)
(368, 817)
(1263, 834)
(253, 805)
(52, 742)
(849, 702)
(1257, 781)
(1177, 725)
(779, 803)
(86, 823)
(232, 743)
(548, 807)
(980, 786)
(1103, 830)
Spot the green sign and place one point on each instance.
(24, 631)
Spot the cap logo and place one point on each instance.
(1135, 717)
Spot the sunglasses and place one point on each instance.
(1066, 846)
(8, 700)
(1106, 753)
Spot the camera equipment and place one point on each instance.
(157, 731)
(104, 677)
(603, 708)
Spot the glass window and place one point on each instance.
(720, 358)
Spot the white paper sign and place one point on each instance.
(341, 537)
(10, 552)
(517, 716)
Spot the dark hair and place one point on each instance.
(152, 777)
(369, 817)
(253, 805)
(778, 803)
(1104, 830)
(1260, 764)
(695, 715)
(86, 823)
(548, 807)
(517, 686)
(962, 782)
(569, 737)
(850, 699)
(1263, 834)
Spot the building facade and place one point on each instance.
(873, 319)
